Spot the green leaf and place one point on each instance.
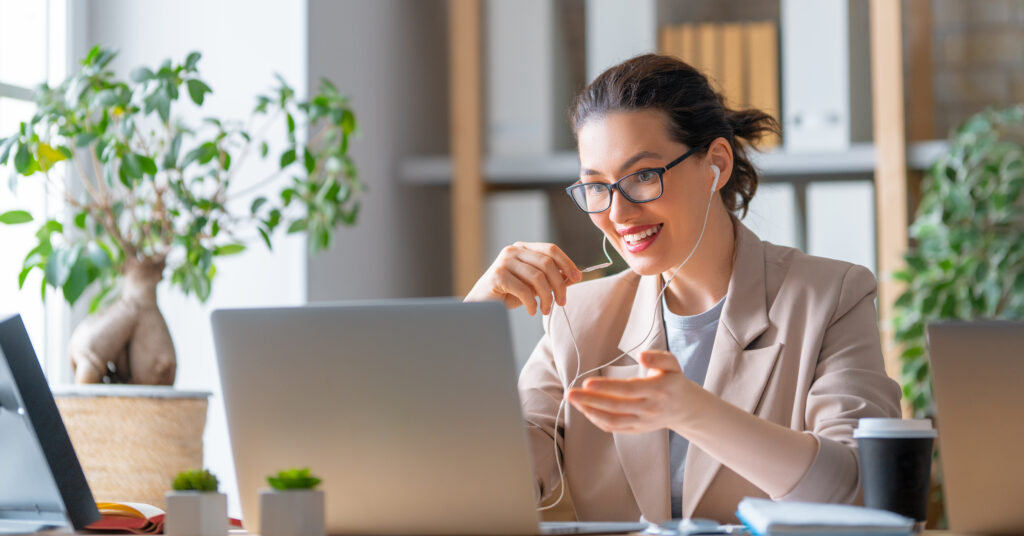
(297, 226)
(14, 217)
(197, 90)
(264, 149)
(228, 249)
(257, 203)
(132, 166)
(22, 159)
(78, 281)
(171, 157)
(141, 74)
(204, 153)
(348, 122)
(60, 263)
(23, 275)
(5, 148)
(309, 161)
(265, 237)
(287, 158)
(147, 164)
(162, 104)
(192, 59)
(80, 219)
(98, 257)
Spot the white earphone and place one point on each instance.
(718, 172)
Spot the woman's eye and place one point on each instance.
(594, 188)
(647, 176)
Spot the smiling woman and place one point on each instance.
(718, 366)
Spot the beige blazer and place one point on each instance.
(797, 344)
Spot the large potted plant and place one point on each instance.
(966, 261)
(153, 197)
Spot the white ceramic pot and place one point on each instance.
(196, 513)
(292, 513)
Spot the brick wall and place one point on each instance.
(977, 57)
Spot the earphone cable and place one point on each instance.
(579, 358)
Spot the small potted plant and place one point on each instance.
(292, 507)
(195, 507)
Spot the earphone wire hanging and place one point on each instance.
(579, 359)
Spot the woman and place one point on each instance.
(745, 377)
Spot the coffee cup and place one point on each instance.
(895, 464)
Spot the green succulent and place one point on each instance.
(195, 480)
(293, 479)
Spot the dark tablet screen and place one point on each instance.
(41, 480)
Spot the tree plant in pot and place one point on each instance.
(292, 507)
(153, 197)
(161, 197)
(195, 507)
(966, 261)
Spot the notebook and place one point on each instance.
(770, 518)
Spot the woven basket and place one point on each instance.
(133, 440)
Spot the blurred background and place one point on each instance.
(809, 62)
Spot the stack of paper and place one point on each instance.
(770, 518)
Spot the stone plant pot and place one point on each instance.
(196, 513)
(292, 513)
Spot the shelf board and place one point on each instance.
(562, 167)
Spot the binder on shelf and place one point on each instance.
(741, 61)
(763, 72)
(733, 81)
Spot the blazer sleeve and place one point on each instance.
(540, 393)
(849, 383)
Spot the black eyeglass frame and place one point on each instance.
(611, 187)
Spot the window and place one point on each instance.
(33, 50)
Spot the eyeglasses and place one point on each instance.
(637, 187)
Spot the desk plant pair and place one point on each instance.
(292, 507)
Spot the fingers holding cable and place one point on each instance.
(551, 258)
(558, 273)
(524, 273)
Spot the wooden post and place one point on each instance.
(467, 186)
(891, 166)
(921, 98)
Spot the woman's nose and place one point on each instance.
(621, 208)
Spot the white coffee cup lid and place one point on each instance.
(896, 428)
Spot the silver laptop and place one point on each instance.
(977, 370)
(407, 410)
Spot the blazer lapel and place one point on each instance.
(644, 457)
(739, 370)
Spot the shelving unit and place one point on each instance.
(561, 168)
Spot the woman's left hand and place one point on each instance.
(664, 398)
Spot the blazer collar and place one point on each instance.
(744, 314)
(736, 374)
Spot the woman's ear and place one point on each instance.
(719, 154)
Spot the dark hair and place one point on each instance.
(697, 114)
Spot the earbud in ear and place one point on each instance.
(718, 172)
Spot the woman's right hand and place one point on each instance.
(524, 272)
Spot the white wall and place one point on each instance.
(244, 42)
(390, 56)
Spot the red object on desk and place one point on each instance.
(135, 518)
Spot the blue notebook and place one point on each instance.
(769, 518)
